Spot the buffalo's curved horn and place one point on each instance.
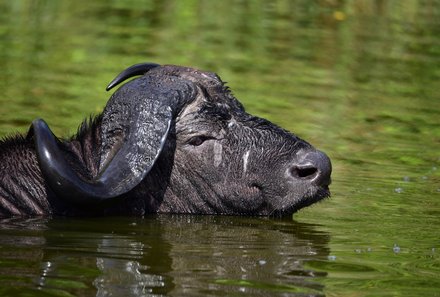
(126, 170)
(134, 128)
(56, 170)
(137, 69)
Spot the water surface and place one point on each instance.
(159, 255)
(357, 79)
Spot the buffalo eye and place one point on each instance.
(198, 140)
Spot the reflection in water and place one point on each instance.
(245, 255)
(122, 277)
(164, 255)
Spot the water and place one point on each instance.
(176, 255)
(358, 79)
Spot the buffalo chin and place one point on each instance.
(293, 206)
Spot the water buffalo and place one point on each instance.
(174, 140)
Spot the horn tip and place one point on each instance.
(137, 69)
(39, 122)
(109, 87)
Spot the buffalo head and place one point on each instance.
(176, 140)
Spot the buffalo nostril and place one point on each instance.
(314, 166)
(303, 171)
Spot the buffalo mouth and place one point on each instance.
(259, 200)
(290, 205)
